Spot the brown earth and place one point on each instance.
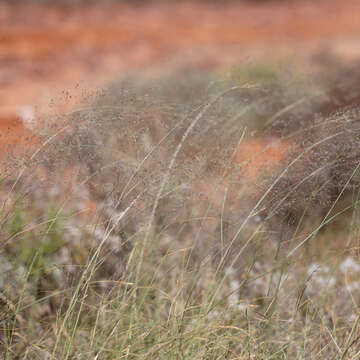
(55, 54)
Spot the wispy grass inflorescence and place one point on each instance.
(138, 230)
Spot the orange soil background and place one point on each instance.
(57, 52)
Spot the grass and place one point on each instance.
(184, 256)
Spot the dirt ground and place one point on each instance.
(54, 54)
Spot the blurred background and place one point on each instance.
(53, 51)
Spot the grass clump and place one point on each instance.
(183, 256)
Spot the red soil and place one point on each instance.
(15, 137)
(259, 156)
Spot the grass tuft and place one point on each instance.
(139, 230)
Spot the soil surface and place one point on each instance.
(54, 54)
